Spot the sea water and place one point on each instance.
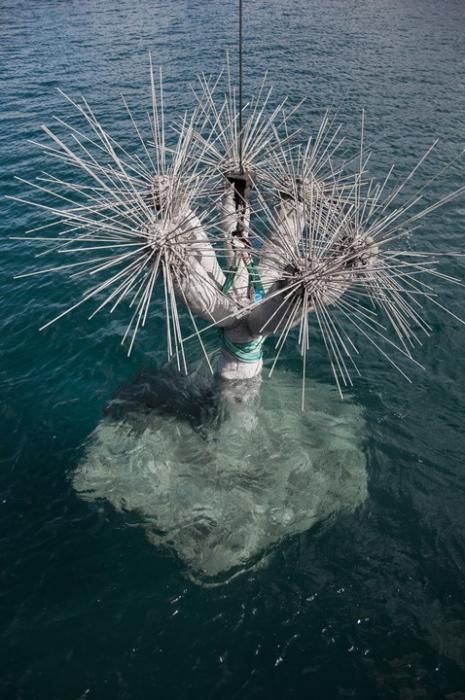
(162, 548)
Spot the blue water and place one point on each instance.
(363, 597)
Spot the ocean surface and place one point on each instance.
(148, 550)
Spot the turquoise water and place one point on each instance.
(148, 549)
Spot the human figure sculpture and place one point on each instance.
(327, 246)
(248, 302)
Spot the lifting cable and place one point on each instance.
(241, 168)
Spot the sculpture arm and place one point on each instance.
(200, 282)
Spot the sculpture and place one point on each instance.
(195, 213)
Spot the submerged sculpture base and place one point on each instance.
(220, 482)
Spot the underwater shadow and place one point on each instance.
(223, 485)
(164, 392)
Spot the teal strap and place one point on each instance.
(254, 280)
(245, 352)
(230, 279)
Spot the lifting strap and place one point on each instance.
(244, 352)
(254, 280)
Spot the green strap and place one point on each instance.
(245, 352)
(254, 280)
(230, 279)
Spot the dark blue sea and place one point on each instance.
(149, 551)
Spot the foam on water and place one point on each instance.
(222, 485)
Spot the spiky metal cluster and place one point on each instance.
(321, 232)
